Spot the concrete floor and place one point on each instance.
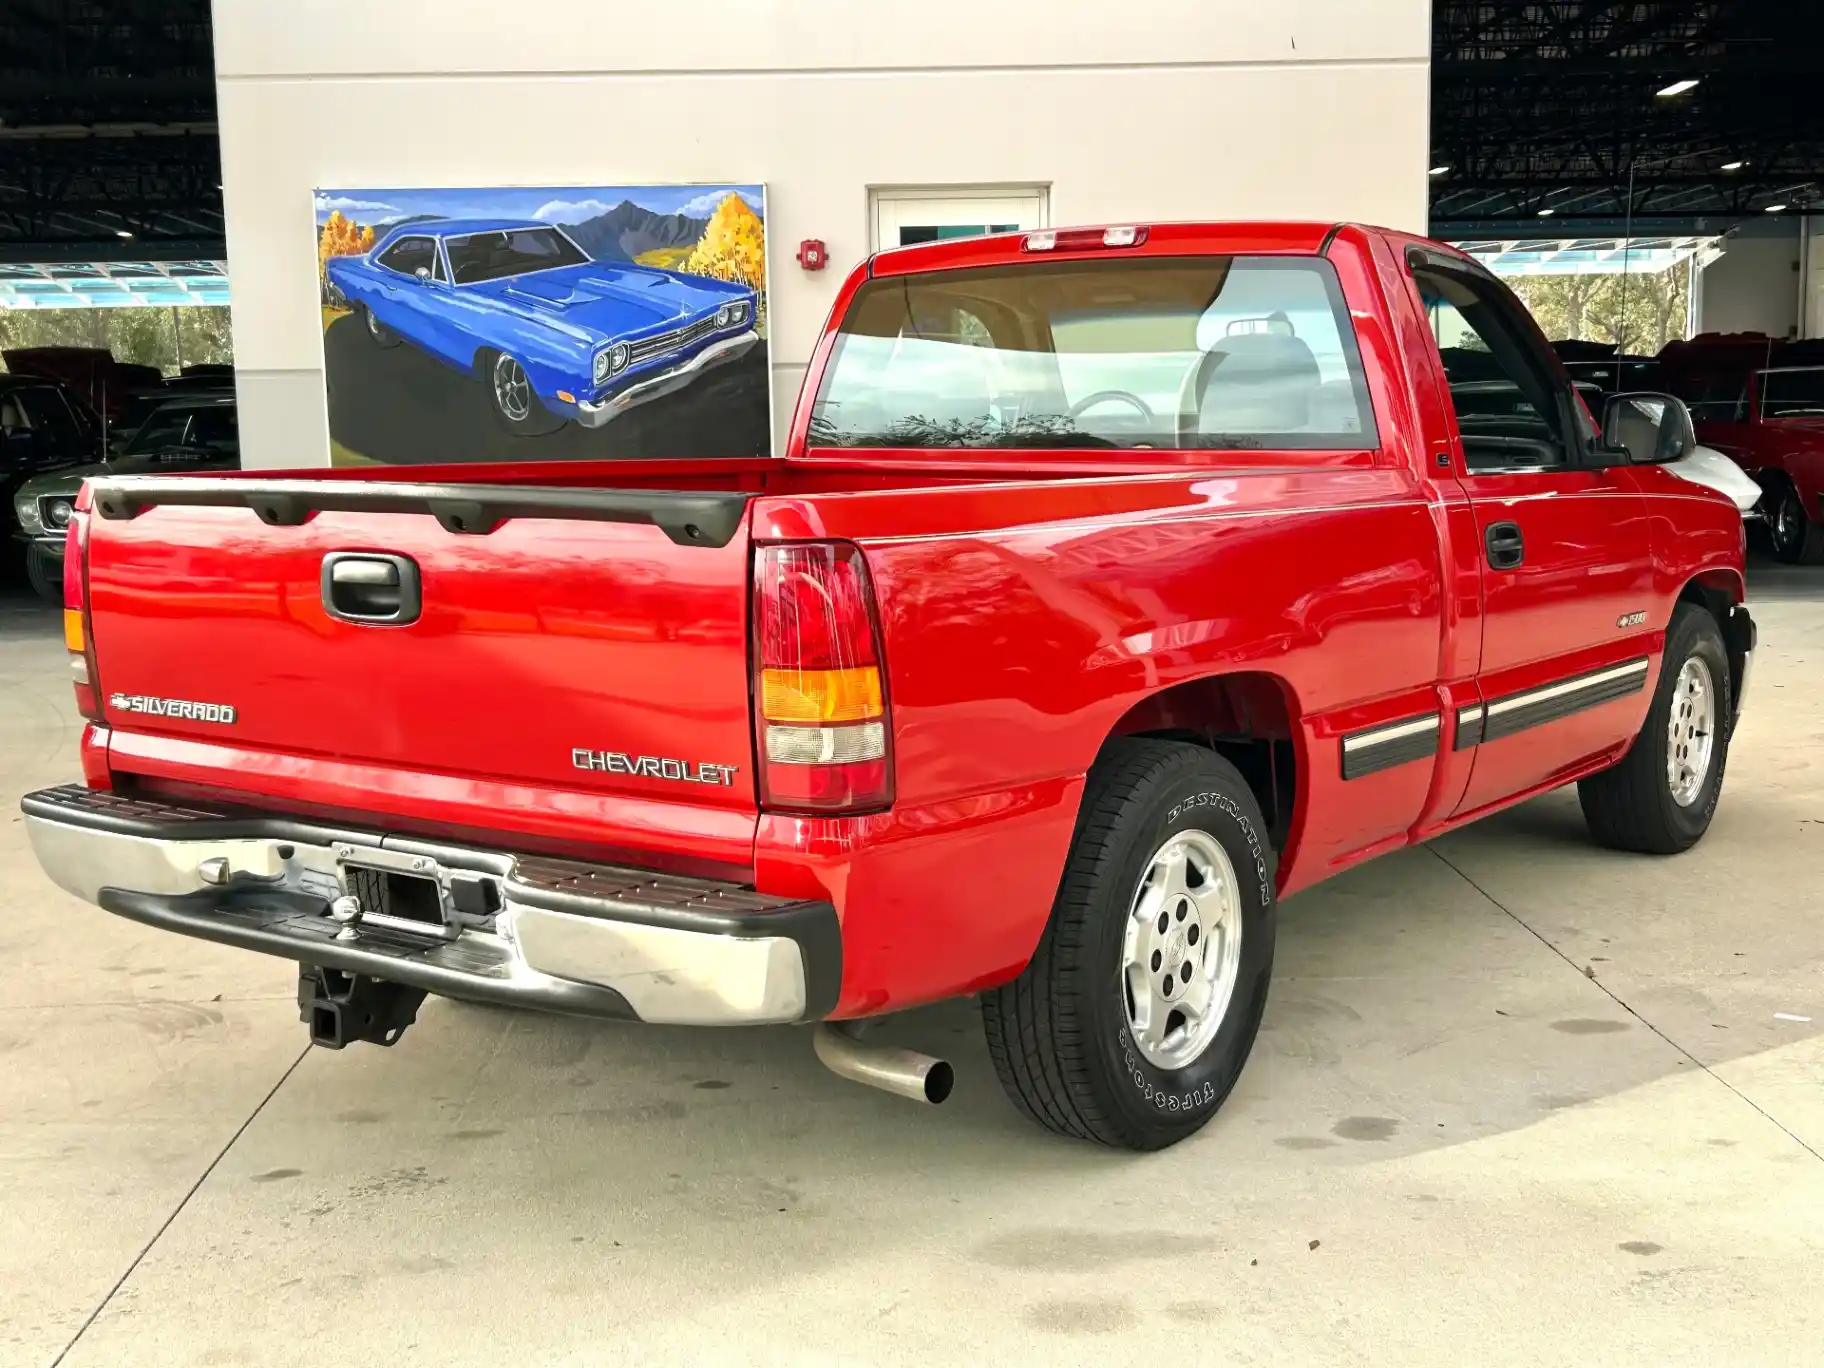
(1517, 1100)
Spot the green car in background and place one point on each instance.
(197, 432)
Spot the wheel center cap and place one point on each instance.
(1176, 947)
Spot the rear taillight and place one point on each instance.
(78, 638)
(820, 704)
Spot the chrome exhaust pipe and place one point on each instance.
(906, 1073)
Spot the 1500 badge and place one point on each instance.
(173, 707)
(653, 767)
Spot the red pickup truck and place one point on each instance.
(1760, 401)
(1115, 584)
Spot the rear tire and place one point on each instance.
(1063, 1035)
(1797, 540)
(45, 572)
(1650, 801)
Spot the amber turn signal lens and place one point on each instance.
(72, 628)
(848, 695)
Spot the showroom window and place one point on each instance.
(1226, 353)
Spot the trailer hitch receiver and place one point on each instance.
(340, 1008)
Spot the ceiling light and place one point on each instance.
(1547, 213)
(122, 232)
(1775, 208)
(1733, 166)
(1439, 171)
(1677, 88)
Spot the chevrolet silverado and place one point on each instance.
(1114, 584)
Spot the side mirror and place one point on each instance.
(424, 275)
(1645, 428)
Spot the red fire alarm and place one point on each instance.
(813, 255)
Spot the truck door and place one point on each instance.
(1565, 662)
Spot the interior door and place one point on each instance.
(904, 218)
(1565, 661)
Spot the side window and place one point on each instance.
(409, 255)
(1715, 398)
(214, 430)
(46, 411)
(12, 417)
(1509, 400)
(437, 271)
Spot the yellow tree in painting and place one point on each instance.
(733, 247)
(340, 237)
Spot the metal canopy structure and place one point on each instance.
(108, 125)
(1589, 256)
(112, 284)
(107, 131)
(1540, 106)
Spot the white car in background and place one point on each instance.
(1701, 465)
(1597, 379)
(1708, 467)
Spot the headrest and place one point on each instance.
(1257, 382)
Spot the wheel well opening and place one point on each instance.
(1247, 718)
(1717, 593)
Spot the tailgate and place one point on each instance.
(565, 643)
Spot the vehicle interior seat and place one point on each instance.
(1253, 383)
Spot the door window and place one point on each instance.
(408, 255)
(1714, 398)
(46, 411)
(1512, 408)
(214, 430)
(1797, 393)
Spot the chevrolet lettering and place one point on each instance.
(653, 767)
(1207, 561)
(185, 708)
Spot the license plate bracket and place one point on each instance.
(399, 892)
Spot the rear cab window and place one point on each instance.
(1227, 353)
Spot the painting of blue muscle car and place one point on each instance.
(552, 334)
(605, 321)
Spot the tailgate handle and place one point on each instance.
(370, 587)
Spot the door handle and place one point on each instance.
(1506, 547)
(371, 587)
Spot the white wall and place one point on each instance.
(1170, 109)
(1812, 276)
(1754, 285)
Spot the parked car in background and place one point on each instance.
(1598, 364)
(1760, 401)
(104, 384)
(43, 425)
(141, 405)
(199, 432)
(1115, 583)
(553, 334)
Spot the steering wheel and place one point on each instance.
(1102, 396)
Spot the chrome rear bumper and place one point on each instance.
(556, 935)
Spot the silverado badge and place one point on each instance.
(173, 707)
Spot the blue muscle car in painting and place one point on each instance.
(553, 334)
